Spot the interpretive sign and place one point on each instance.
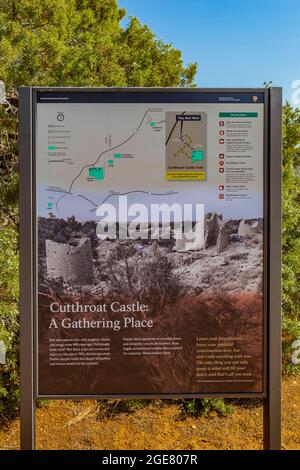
(150, 222)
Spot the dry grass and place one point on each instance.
(158, 426)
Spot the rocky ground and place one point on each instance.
(158, 426)
(236, 269)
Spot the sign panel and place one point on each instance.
(150, 236)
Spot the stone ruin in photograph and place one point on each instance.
(218, 233)
(74, 264)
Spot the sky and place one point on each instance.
(236, 43)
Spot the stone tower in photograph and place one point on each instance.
(74, 264)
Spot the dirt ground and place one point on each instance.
(156, 426)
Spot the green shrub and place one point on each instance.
(9, 322)
(290, 234)
(207, 405)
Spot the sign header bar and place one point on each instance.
(152, 96)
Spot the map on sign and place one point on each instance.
(91, 153)
(94, 157)
(185, 146)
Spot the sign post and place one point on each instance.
(272, 403)
(150, 239)
(27, 422)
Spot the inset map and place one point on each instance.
(185, 145)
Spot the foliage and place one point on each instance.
(196, 407)
(9, 163)
(207, 405)
(149, 278)
(9, 325)
(112, 408)
(291, 211)
(291, 232)
(81, 42)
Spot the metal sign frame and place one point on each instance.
(272, 260)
